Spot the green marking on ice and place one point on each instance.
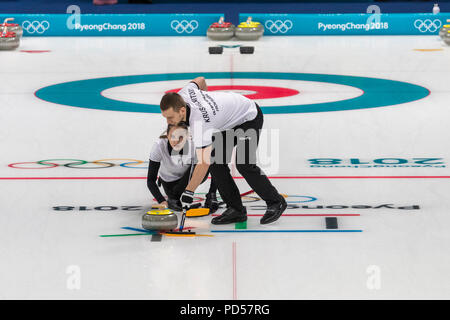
(241, 225)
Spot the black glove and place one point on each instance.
(187, 197)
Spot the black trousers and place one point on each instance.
(246, 139)
(174, 189)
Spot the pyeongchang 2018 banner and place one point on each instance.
(114, 24)
(350, 24)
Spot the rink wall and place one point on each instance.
(350, 24)
(114, 24)
(197, 24)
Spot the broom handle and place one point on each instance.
(183, 217)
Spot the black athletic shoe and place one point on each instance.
(230, 216)
(274, 211)
(175, 205)
(211, 202)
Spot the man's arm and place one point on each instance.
(201, 83)
(204, 159)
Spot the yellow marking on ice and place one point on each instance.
(428, 50)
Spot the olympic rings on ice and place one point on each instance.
(79, 164)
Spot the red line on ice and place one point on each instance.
(270, 177)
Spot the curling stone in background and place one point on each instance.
(9, 41)
(162, 220)
(11, 27)
(220, 30)
(446, 38)
(443, 30)
(249, 30)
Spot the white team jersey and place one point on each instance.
(215, 111)
(172, 167)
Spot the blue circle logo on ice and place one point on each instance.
(377, 92)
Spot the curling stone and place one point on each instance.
(443, 30)
(249, 30)
(220, 30)
(447, 38)
(163, 220)
(11, 27)
(9, 41)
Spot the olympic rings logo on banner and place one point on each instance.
(79, 164)
(184, 26)
(36, 26)
(279, 26)
(427, 25)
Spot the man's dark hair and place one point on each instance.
(172, 100)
